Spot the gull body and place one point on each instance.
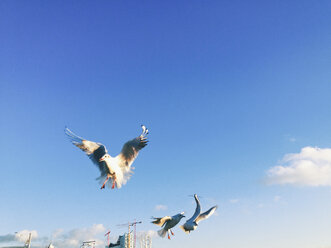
(118, 169)
(192, 223)
(167, 223)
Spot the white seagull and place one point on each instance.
(192, 223)
(118, 168)
(167, 223)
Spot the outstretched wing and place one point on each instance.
(197, 209)
(131, 149)
(206, 214)
(161, 221)
(94, 150)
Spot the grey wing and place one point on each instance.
(161, 221)
(206, 214)
(197, 209)
(131, 148)
(96, 155)
(94, 150)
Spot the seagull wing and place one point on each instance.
(197, 209)
(131, 149)
(206, 214)
(94, 150)
(161, 221)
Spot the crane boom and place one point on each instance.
(129, 224)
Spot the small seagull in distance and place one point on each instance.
(118, 168)
(192, 223)
(167, 223)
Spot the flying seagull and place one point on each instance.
(192, 223)
(167, 223)
(118, 168)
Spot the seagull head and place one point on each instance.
(104, 157)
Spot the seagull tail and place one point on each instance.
(162, 233)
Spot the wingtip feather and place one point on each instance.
(145, 130)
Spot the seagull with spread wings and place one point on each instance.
(167, 223)
(192, 223)
(118, 168)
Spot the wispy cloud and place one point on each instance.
(20, 236)
(311, 167)
(75, 237)
(277, 198)
(7, 238)
(234, 201)
(143, 234)
(160, 207)
(260, 205)
(290, 138)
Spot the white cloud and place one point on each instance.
(277, 198)
(311, 167)
(260, 205)
(20, 236)
(143, 234)
(161, 207)
(7, 238)
(75, 237)
(57, 233)
(23, 235)
(233, 201)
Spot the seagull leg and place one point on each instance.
(172, 233)
(104, 183)
(114, 181)
(168, 235)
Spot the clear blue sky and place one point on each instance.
(227, 88)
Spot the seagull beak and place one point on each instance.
(101, 159)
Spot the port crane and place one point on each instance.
(88, 244)
(28, 242)
(107, 234)
(129, 224)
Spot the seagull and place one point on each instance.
(118, 168)
(192, 223)
(167, 223)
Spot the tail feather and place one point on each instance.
(123, 176)
(162, 233)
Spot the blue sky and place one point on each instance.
(227, 89)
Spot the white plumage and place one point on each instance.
(118, 168)
(192, 223)
(167, 223)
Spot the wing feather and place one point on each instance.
(131, 149)
(206, 214)
(161, 221)
(197, 209)
(94, 150)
